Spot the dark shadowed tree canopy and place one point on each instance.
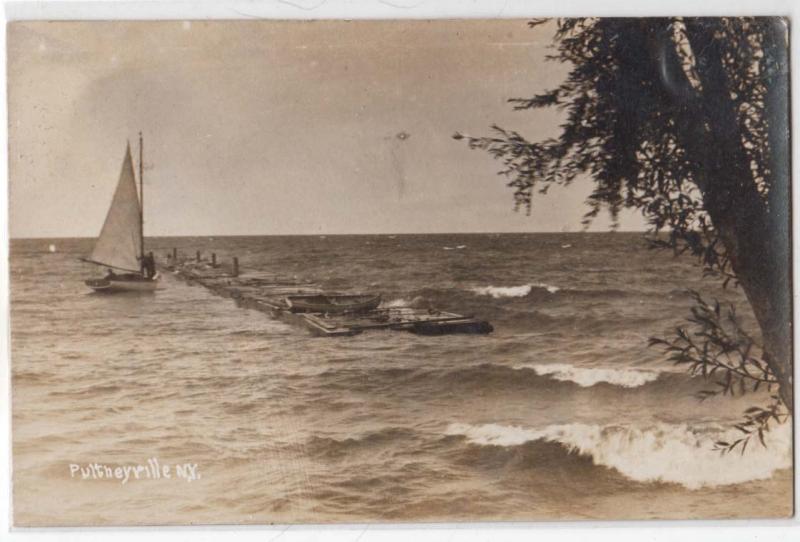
(685, 119)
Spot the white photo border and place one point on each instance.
(598, 531)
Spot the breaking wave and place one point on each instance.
(500, 378)
(671, 453)
(514, 291)
(395, 303)
(589, 376)
(400, 302)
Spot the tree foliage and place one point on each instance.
(717, 347)
(686, 120)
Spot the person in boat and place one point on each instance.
(149, 266)
(110, 274)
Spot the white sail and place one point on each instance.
(120, 241)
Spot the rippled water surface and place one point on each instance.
(562, 413)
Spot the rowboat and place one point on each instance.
(333, 303)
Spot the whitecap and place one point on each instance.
(675, 453)
(589, 376)
(400, 303)
(548, 287)
(395, 303)
(514, 291)
(504, 291)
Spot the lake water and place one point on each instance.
(562, 413)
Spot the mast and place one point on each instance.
(141, 201)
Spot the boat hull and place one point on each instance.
(333, 304)
(122, 285)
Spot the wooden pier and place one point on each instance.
(267, 293)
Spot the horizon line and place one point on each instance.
(341, 234)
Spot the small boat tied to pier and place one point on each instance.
(413, 320)
(333, 303)
(120, 246)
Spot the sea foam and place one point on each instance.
(589, 376)
(401, 303)
(675, 453)
(395, 303)
(514, 291)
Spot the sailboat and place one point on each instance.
(120, 246)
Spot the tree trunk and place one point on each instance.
(753, 231)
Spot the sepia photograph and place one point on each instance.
(399, 271)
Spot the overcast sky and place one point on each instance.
(277, 127)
